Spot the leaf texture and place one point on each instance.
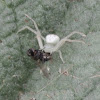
(20, 78)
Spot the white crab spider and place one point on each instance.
(52, 41)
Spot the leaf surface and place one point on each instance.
(20, 77)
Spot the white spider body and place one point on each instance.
(48, 48)
(52, 41)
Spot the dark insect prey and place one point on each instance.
(39, 55)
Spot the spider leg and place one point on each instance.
(62, 41)
(33, 22)
(35, 26)
(38, 36)
(65, 39)
(75, 32)
(75, 41)
(27, 27)
(60, 55)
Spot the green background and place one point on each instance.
(20, 77)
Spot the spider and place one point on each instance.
(52, 41)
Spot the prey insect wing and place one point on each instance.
(45, 71)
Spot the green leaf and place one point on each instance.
(20, 77)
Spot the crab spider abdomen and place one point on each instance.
(52, 39)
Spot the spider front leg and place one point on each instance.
(37, 32)
(27, 27)
(38, 36)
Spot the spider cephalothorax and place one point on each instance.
(52, 43)
(39, 55)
